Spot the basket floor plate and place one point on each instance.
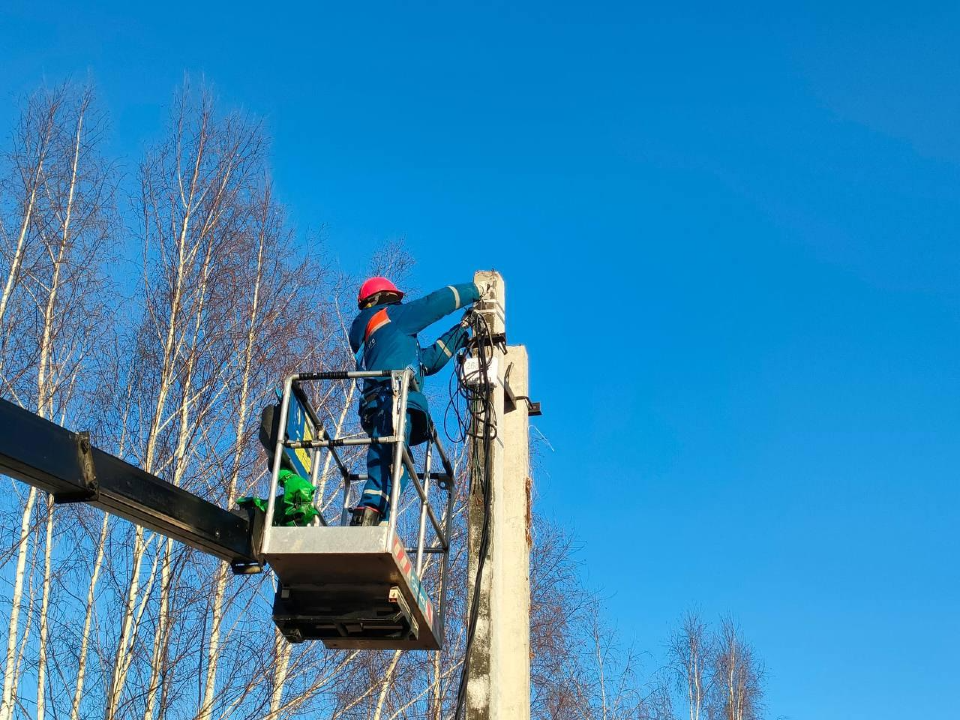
(335, 583)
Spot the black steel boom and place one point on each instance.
(65, 464)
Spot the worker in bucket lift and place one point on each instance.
(384, 337)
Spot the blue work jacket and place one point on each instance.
(385, 338)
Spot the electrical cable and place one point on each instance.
(479, 424)
(463, 395)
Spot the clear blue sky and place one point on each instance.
(731, 245)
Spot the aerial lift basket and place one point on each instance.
(359, 587)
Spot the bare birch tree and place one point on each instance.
(55, 276)
(737, 691)
(194, 190)
(279, 330)
(32, 145)
(691, 658)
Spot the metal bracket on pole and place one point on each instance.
(90, 489)
(511, 399)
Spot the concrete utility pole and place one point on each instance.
(498, 680)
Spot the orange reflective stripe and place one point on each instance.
(378, 320)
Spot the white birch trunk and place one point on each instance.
(213, 643)
(385, 685)
(158, 655)
(44, 620)
(279, 673)
(46, 387)
(31, 597)
(118, 676)
(10, 672)
(11, 663)
(87, 620)
(31, 203)
(133, 613)
(220, 581)
(17, 259)
(161, 637)
(437, 698)
(121, 659)
(600, 655)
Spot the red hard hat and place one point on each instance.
(375, 285)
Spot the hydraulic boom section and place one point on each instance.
(67, 466)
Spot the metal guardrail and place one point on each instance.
(402, 381)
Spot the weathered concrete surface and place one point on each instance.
(510, 602)
(498, 685)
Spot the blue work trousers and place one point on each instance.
(377, 422)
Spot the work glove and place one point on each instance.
(465, 320)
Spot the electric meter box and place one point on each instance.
(470, 373)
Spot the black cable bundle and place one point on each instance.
(472, 406)
(479, 423)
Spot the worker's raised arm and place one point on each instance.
(412, 317)
(433, 358)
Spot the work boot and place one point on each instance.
(365, 517)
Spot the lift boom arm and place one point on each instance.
(65, 464)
